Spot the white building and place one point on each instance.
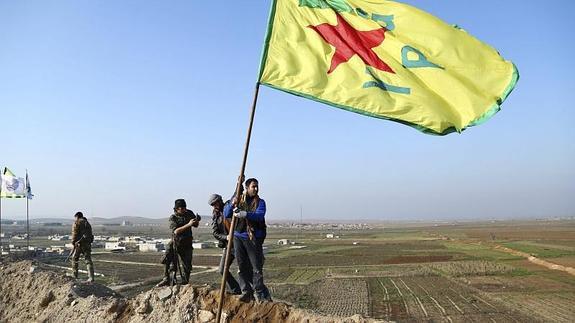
(154, 246)
(200, 245)
(329, 235)
(58, 237)
(60, 250)
(114, 246)
(135, 239)
(95, 244)
(283, 242)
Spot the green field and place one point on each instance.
(447, 272)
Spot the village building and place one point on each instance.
(115, 246)
(151, 247)
(200, 245)
(58, 237)
(283, 242)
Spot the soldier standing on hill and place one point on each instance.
(82, 239)
(181, 223)
(220, 230)
(249, 235)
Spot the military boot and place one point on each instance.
(75, 270)
(90, 273)
(246, 297)
(164, 282)
(186, 279)
(263, 297)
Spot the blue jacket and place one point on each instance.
(258, 216)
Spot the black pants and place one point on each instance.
(250, 256)
(233, 285)
(185, 252)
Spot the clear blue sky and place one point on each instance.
(119, 107)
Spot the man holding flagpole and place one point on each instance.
(220, 231)
(249, 236)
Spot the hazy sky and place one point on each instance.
(117, 108)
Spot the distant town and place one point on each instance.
(14, 235)
(60, 244)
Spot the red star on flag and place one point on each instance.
(349, 41)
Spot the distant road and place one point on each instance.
(121, 288)
(143, 263)
(536, 260)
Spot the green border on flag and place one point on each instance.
(267, 39)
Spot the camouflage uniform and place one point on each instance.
(220, 232)
(82, 233)
(180, 245)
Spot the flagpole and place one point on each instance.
(1, 248)
(27, 209)
(237, 195)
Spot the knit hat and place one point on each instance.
(179, 203)
(214, 198)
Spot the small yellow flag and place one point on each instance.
(387, 60)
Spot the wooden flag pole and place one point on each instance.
(1, 249)
(238, 190)
(1, 180)
(27, 212)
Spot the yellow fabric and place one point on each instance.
(463, 83)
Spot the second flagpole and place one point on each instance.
(27, 214)
(1, 248)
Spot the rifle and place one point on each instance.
(71, 253)
(176, 262)
(249, 227)
(74, 249)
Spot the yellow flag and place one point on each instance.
(387, 60)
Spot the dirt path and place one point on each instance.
(536, 260)
(70, 269)
(142, 263)
(154, 280)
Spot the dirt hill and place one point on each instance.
(29, 293)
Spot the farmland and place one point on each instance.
(450, 273)
(407, 273)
